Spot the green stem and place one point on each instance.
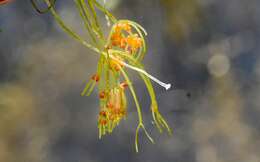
(91, 5)
(42, 11)
(133, 94)
(105, 11)
(86, 21)
(70, 32)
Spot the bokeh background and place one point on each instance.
(208, 49)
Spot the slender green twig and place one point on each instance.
(42, 11)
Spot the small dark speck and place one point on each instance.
(188, 95)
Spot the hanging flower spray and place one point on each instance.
(122, 50)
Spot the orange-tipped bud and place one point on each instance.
(103, 113)
(103, 122)
(123, 85)
(102, 95)
(95, 77)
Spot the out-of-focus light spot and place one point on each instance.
(218, 65)
(206, 153)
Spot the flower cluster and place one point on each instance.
(113, 104)
(124, 49)
(113, 108)
(123, 38)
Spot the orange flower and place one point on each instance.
(119, 40)
(116, 39)
(134, 42)
(122, 26)
(131, 42)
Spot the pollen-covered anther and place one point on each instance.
(123, 85)
(95, 77)
(103, 113)
(116, 39)
(102, 122)
(134, 42)
(102, 95)
(123, 43)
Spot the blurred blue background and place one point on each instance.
(208, 50)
